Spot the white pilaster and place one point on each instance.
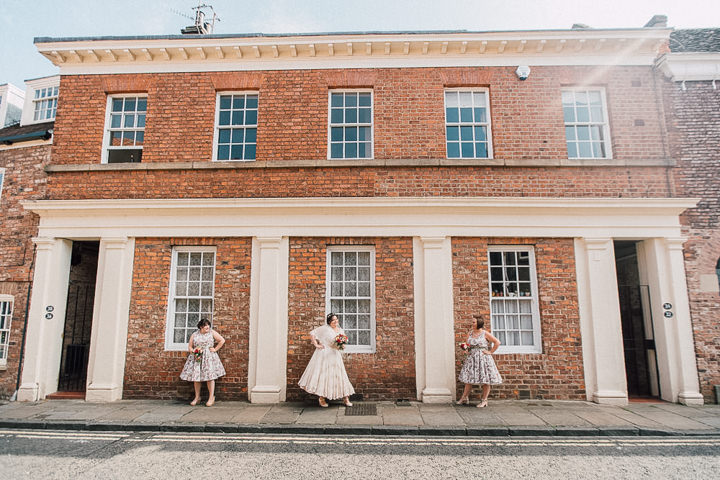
(111, 311)
(434, 325)
(267, 366)
(46, 319)
(673, 334)
(600, 324)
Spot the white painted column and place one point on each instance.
(46, 319)
(677, 365)
(434, 324)
(111, 312)
(267, 366)
(600, 325)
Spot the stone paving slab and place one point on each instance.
(401, 416)
(320, 416)
(558, 417)
(250, 415)
(473, 416)
(282, 414)
(440, 415)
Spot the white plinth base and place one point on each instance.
(265, 394)
(691, 398)
(610, 398)
(28, 393)
(102, 394)
(437, 395)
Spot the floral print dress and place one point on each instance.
(208, 367)
(479, 368)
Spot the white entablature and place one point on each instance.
(363, 50)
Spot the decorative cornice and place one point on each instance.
(689, 67)
(363, 50)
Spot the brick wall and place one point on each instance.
(557, 372)
(527, 124)
(24, 179)
(153, 372)
(389, 373)
(694, 128)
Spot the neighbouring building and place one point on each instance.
(24, 153)
(693, 109)
(11, 102)
(406, 181)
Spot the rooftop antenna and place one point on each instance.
(201, 26)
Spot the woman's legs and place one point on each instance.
(465, 398)
(485, 394)
(211, 395)
(322, 402)
(198, 386)
(346, 401)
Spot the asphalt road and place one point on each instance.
(36, 454)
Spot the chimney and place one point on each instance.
(657, 21)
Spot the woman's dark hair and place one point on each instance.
(329, 317)
(202, 323)
(479, 322)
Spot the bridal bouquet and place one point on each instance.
(340, 341)
(198, 354)
(464, 347)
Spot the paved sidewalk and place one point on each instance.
(500, 418)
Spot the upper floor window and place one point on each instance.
(236, 119)
(6, 311)
(350, 124)
(45, 104)
(192, 291)
(514, 312)
(586, 123)
(467, 124)
(2, 178)
(350, 293)
(125, 128)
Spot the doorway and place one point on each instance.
(637, 326)
(78, 317)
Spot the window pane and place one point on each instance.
(251, 102)
(364, 115)
(336, 99)
(350, 150)
(130, 104)
(453, 150)
(584, 150)
(452, 115)
(251, 117)
(466, 115)
(224, 118)
(452, 133)
(336, 150)
(467, 150)
(225, 102)
(249, 152)
(351, 115)
(364, 99)
(250, 135)
(223, 152)
(336, 115)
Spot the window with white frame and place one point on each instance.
(191, 297)
(467, 124)
(586, 123)
(45, 103)
(6, 311)
(236, 119)
(125, 128)
(351, 294)
(514, 312)
(351, 124)
(2, 179)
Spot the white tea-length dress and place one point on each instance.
(325, 374)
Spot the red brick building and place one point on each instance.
(693, 107)
(403, 181)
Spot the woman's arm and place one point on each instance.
(191, 345)
(495, 342)
(220, 341)
(316, 343)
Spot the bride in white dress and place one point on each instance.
(325, 374)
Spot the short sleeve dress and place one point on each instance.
(325, 374)
(209, 367)
(478, 368)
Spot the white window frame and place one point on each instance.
(50, 100)
(607, 143)
(535, 309)
(473, 124)
(216, 133)
(106, 133)
(2, 181)
(357, 124)
(170, 343)
(9, 300)
(328, 297)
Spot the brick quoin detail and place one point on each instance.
(556, 373)
(153, 372)
(387, 374)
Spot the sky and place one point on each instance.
(23, 20)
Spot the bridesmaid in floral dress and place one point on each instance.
(479, 367)
(204, 366)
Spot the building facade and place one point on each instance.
(404, 181)
(692, 70)
(24, 153)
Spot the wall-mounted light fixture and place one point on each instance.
(523, 72)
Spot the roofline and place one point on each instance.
(43, 134)
(39, 40)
